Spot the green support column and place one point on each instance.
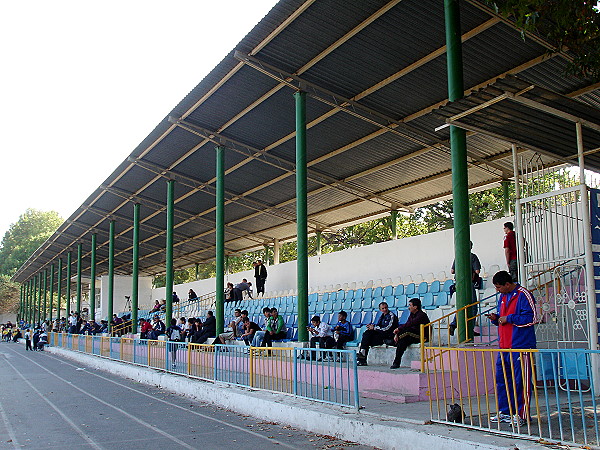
(301, 216)
(169, 252)
(59, 287)
(79, 263)
(39, 299)
(68, 284)
(458, 145)
(319, 242)
(20, 314)
(394, 223)
(220, 239)
(51, 291)
(93, 278)
(135, 266)
(28, 312)
(45, 310)
(505, 197)
(111, 272)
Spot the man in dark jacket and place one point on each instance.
(377, 334)
(410, 332)
(260, 273)
(209, 328)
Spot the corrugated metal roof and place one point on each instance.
(384, 55)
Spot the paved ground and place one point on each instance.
(47, 402)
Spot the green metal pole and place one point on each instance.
(319, 242)
(458, 145)
(28, 316)
(197, 271)
(220, 239)
(169, 251)
(20, 313)
(301, 216)
(135, 264)
(45, 310)
(111, 272)
(505, 197)
(68, 284)
(39, 299)
(59, 287)
(79, 264)
(93, 278)
(394, 223)
(51, 291)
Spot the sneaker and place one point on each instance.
(452, 329)
(174, 366)
(501, 417)
(361, 362)
(517, 420)
(395, 366)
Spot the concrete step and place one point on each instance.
(389, 397)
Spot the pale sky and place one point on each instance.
(83, 83)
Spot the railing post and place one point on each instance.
(251, 367)
(422, 336)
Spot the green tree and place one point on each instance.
(570, 25)
(25, 236)
(9, 295)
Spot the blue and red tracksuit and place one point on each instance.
(518, 333)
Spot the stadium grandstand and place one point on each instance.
(333, 113)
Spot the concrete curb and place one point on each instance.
(365, 428)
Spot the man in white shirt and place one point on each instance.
(321, 332)
(72, 323)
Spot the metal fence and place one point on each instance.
(325, 375)
(543, 394)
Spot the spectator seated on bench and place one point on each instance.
(410, 332)
(343, 331)
(379, 333)
(276, 329)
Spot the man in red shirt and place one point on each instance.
(510, 250)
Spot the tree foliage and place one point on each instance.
(571, 25)
(25, 236)
(9, 295)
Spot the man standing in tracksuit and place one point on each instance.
(515, 319)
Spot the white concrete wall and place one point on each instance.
(122, 288)
(418, 255)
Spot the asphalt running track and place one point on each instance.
(47, 402)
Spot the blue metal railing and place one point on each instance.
(324, 375)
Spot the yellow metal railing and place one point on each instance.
(542, 394)
(437, 329)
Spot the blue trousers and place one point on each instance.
(513, 383)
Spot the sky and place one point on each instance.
(83, 83)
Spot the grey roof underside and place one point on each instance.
(379, 153)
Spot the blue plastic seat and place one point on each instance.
(387, 291)
(367, 317)
(401, 301)
(376, 315)
(355, 305)
(325, 318)
(403, 316)
(377, 292)
(410, 289)
(390, 300)
(446, 286)
(441, 299)
(340, 296)
(358, 332)
(368, 293)
(427, 301)
(347, 304)
(324, 297)
(422, 289)
(399, 290)
(356, 319)
(358, 294)
(434, 287)
(350, 294)
(366, 304)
